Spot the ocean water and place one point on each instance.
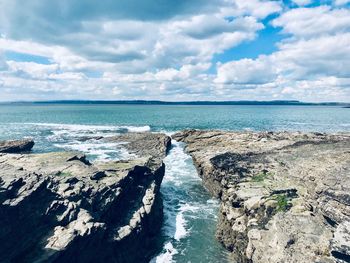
(190, 213)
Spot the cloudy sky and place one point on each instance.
(175, 49)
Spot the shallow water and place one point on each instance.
(190, 213)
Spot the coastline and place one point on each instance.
(60, 207)
(278, 191)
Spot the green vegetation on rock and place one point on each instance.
(65, 174)
(261, 177)
(282, 202)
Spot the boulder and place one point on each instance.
(16, 146)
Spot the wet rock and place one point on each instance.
(16, 146)
(284, 196)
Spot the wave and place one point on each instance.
(167, 256)
(137, 128)
(86, 139)
(100, 151)
(85, 127)
(179, 207)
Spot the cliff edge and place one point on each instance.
(59, 207)
(285, 197)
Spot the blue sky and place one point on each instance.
(175, 50)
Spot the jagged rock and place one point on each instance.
(284, 196)
(16, 146)
(341, 242)
(59, 207)
(144, 143)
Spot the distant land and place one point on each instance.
(158, 102)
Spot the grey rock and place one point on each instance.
(59, 207)
(341, 242)
(155, 145)
(284, 195)
(16, 146)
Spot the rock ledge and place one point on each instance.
(285, 197)
(59, 207)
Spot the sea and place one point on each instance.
(188, 232)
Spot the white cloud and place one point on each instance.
(110, 50)
(3, 64)
(207, 26)
(312, 64)
(302, 2)
(313, 70)
(310, 22)
(246, 71)
(256, 8)
(341, 2)
(31, 69)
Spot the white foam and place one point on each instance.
(167, 255)
(181, 223)
(69, 137)
(137, 128)
(101, 151)
(178, 166)
(180, 231)
(94, 128)
(75, 126)
(179, 170)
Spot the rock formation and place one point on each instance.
(285, 197)
(144, 143)
(59, 207)
(16, 146)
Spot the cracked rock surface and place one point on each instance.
(285, 197)
(59, 207)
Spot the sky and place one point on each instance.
(175, 50)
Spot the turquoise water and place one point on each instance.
(170, 118)
(190, 212)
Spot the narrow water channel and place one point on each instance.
(190, 214)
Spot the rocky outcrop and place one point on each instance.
(285, 197)
(144, 143)
(59, 207)
(16, 146)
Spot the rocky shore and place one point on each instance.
(59, 207)
(285, 197)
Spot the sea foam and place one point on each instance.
(84, 127)
(84, 138)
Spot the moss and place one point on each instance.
(261, 177)
(282, 203)
(65, 174)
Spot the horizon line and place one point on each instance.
(197, 102)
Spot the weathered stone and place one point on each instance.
(16, 146)
(283, 195)
(341, 242)
(59, 207)
(145, 144)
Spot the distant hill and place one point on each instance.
(158, 102)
